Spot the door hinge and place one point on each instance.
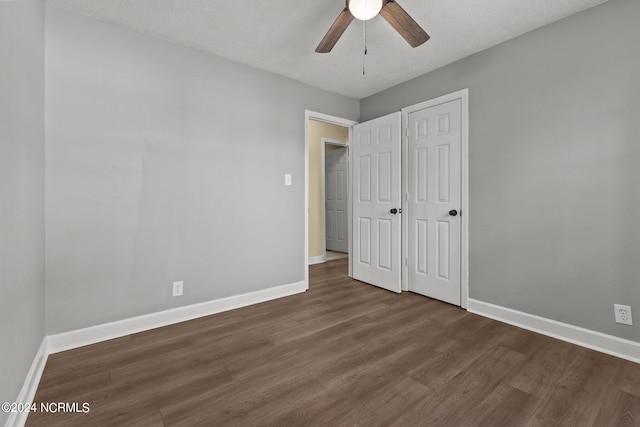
(406, 132)
(406, 261)
(406, 196)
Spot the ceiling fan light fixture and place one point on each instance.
(365, 9)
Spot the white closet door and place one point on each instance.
(376, 206)
(434, 144)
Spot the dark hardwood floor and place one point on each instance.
(342, 354)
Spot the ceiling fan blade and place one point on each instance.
(404, 24)
(339, 25)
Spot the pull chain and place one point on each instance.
(364, 36)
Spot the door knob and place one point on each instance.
(395, 211)
(453, 212)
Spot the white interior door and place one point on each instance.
(376, 206)
(336, 190)
(434, 200)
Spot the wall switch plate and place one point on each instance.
(287, 179)
(623, 314)
(177, 288)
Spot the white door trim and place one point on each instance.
(334, 142)
(321, 117)
(463, 96)
(338, 143)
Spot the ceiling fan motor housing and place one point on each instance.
(364, 9)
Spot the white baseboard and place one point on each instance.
(30, 386)
(81, 337)
(317, 259)
(609, 344)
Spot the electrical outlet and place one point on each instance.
(177, 288)
(623, 314)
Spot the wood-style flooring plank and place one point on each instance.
(505, 406)
(620, 409)
(341, 354)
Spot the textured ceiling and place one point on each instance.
(281, 35)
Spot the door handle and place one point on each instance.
(453, 212)
(395, 211)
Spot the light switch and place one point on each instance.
(287, 179)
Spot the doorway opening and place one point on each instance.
(328, 191)
(335, 188)
(326, 136)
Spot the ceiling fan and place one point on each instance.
(391, 11)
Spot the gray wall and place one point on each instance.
(164, 164)
(21, 192)
(554, 154)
